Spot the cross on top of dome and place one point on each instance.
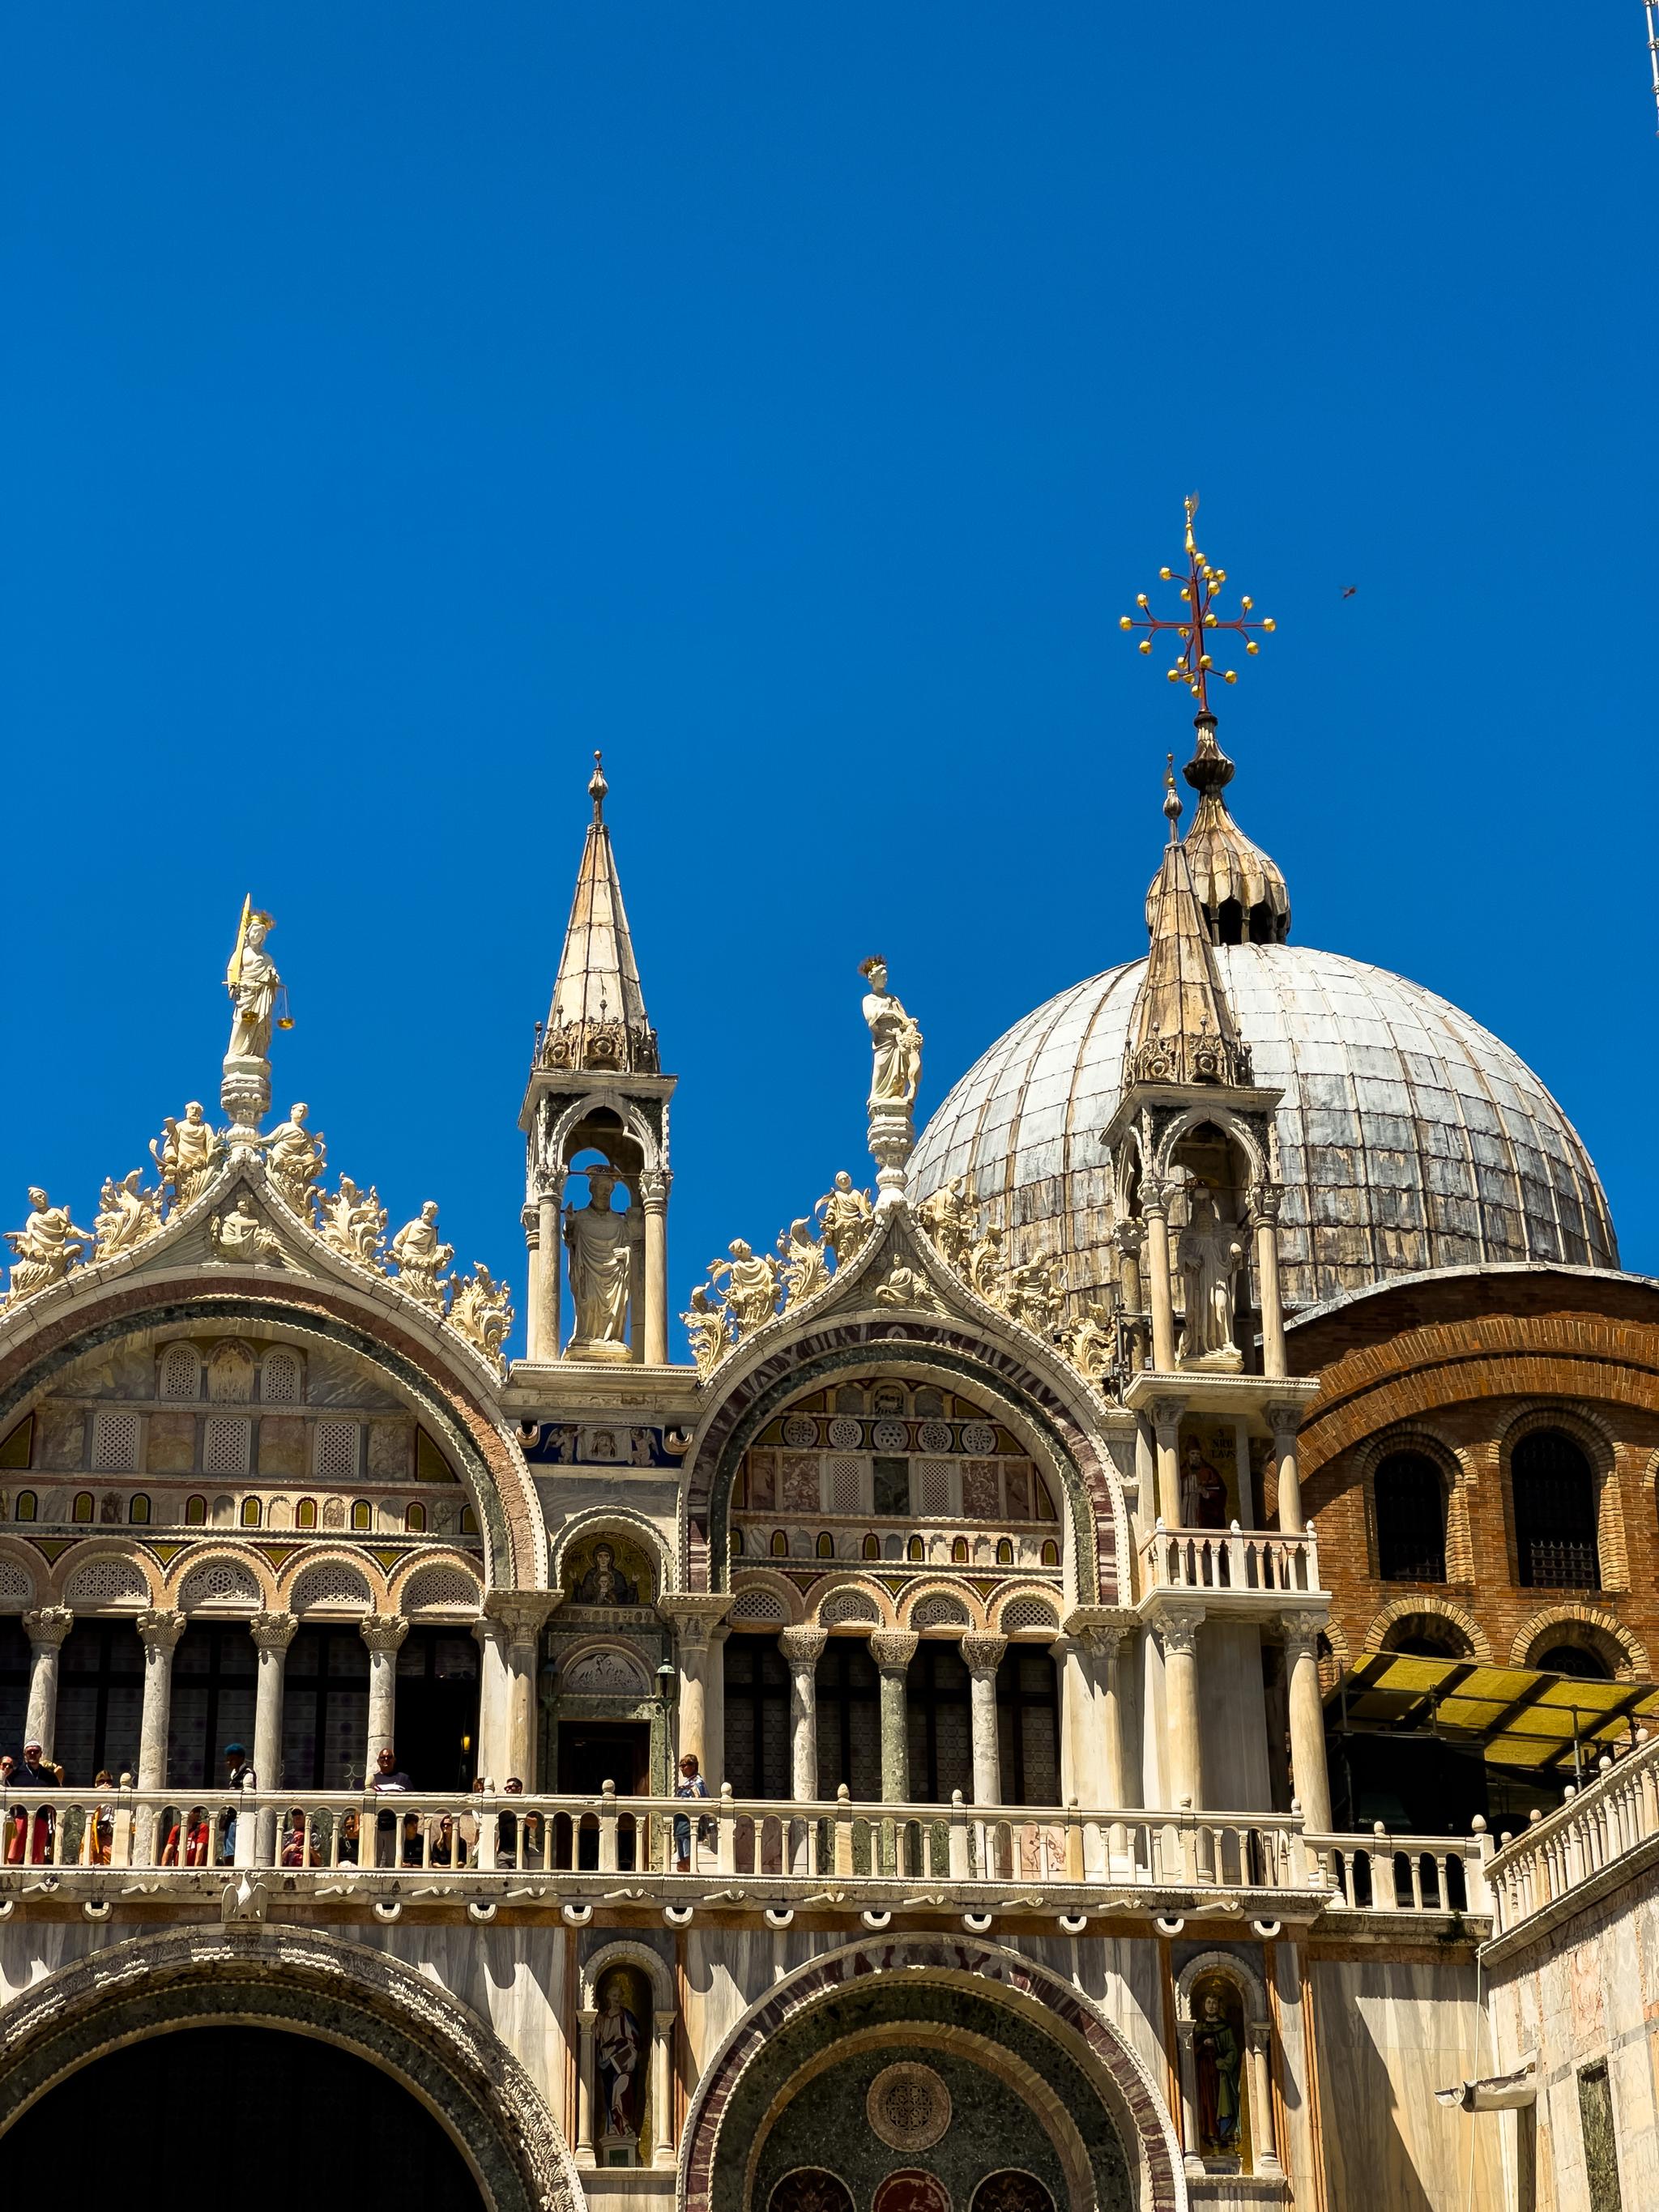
(1198, 625)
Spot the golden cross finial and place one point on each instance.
(1198, 625)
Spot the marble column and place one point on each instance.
(981, 1655)
(1129, 1237)
(636, 1287)
(1264, 2139)
(45, 1628)
(1310, 1781)
(1283, 1421)
(585, 2021)
(892, 1650)
(512, 1628)
(159, 1631)
(1155, 1212)
(1264, 1216)
(272, 1633)
(653, 1197)
(530, 1216)
(801, 1648)
(1185, 2032)
(1078, 1778)
(552, 1251)
(384, 1634)
(713, 1711)
(694, 1620)
(1242, 1475)
(1178, 1623)
(662, 2109)
(1166, 1414)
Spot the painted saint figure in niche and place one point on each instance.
(1220, 2055)
(1203, 1492)
(620, 2049)
(604, 1583)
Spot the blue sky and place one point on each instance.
(398, 403)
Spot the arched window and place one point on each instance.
(469, 1521)
(958, 1550)
(826, 1545)
(138, 1509)
(250, 1513)
(871, 1549)
(305, 1513)
(1050, 1553)
(1574, 1659)
(196, 1513)
(279, 1377)
(26, 1506)
(1411, 1519)
(82, 1510)
(1004, 1552)
(780, 1544)
(415, 1520)
(1554, 1496)
(181, 1372)
(362, 1517)
(913, 1550)
(737, 1543)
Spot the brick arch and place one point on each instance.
(1145, 2131)
(308, 1983)
(445, 1395)
(1629, 1655)
(1584, 1426)
(1422, 1601)
(1064, 1444)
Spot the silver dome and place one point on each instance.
(1410, 1137)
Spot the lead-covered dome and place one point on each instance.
(1410, 1137)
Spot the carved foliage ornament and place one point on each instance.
(747, 1289)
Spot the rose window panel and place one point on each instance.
(220, 1582)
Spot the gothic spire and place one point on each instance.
(1241, 889)
(598, 1019)
(1182, 1029)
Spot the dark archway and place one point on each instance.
(226, 2089)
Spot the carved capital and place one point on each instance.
(802, 1647)
(518, 1617)
(893, 1649)
(48, 1624)
(1283, 1421)
(1155, 1198)
(273, 1632)
(159, 1629)
(1166, 1412)
(1265, 1198)
(383, 1631)
(1129, 1237)
(1302, 1630)
(653, 1184)
(1101, 1629)
(982, 1655)
(694, 1619)
(1177, 1626)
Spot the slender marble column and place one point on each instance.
(272, 1634)
(45, 1628)
(1264, 1214)
(512, 1630)
(714, 1713)
(1283, 1421)
(384, 1634)
(1242, 1475)
(694, 1620)
(530, 1216)
(1178, 1625)
(160, 1632)
(585, 2021)
(552, 1248)
(653, 1197)
(892, 1650)
(801, 1648)
(1312, 1782)
(1258, 2040)
(1185, 2030)
(981, 1655)
(662, 2151)
(1166, 1414)
(1155, 1212)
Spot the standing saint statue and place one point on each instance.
(1220, 2063)
(600, 1242)
(46, 1246)
(1209, 1254)
(421, 1258)
(254, 987)
(896, 1041)
(846, 1217)
(296, 1157)
(187, 1153)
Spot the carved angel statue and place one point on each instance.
(751, 1292)
(240, 1235)
(950, 1217)
(353, 1224)
(481, 1310)
(47, 1246)
(187, 1153)
(805, 1269)
(421, 1258)
(846, 1217)
(1209, 1255)
(896, 1041)
(127, 1213)
(296, 1157)
(254, 986)
(708, 1327)
(1090, 1343)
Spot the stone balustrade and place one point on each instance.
(1561, 1851)
(915, 1856)
(1233, 1559)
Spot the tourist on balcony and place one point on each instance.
(294, 1838)
(467, 1825)
(514, 1834)
(388, 1780)
(690, 1784)
(100, 1823)
(238, 1775)
(192, 1833)
(29, 1777)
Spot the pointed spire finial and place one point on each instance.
(598, 787)
(1172, 799)
(597, 1018)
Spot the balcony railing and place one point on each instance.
(1235, 1559)
(577, 1850)
(1558, 1853)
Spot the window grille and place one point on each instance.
(1554, 1513)
(846, 1486)
(935, 1486)
(115, 1443)
(279, 1378)
(336, 1451)
(1411, 1519)
(226, 1445)
(180, 1372)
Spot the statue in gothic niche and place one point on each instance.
(1209, 1253)
(619, 2049)
(1218, 2057)
(600, 1242)
(1203, 1492)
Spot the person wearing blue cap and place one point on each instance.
(238, 1775)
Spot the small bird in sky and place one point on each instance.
(1350, 591)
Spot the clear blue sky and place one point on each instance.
(398, 402)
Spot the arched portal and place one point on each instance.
(356, 2118)
(293, 1982)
